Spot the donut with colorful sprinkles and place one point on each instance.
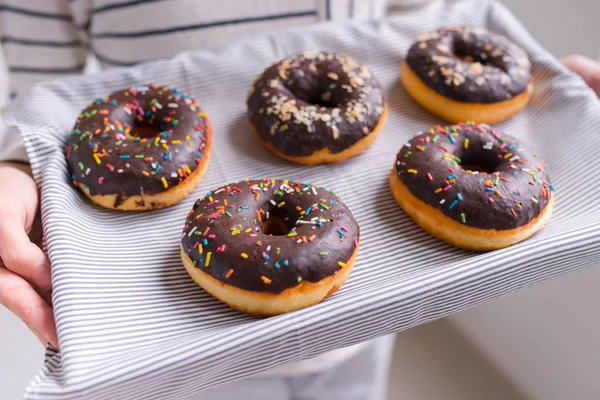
(467, 73)
(145, 147)
(316, 107)
(267, 247)
(472, 186)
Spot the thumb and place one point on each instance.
(586, 68)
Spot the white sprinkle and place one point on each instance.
(120, 171)
(314, 219)
(514, 158)
(475, 173)
(267, 215)
(87, 171)
(299, 241)
(192, 231)
(442, 201)
(158, 105)
(182, 235)
(269, 248)
(174, 175)
(163, 141)
(273, 202)
(407, 145)
(127, 110)
(314, 190)
(534, 200)
(525, 170)
(153, 165)
(305, 222)
(172, 105)
(513, 166)
(305, 189)
(322, 220)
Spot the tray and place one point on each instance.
(131, 323)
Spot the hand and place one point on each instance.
(585, 67)
(25, 284)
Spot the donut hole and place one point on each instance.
(481, 58)
(317, 98)
(144, 131)
(476, 54)
(275, 226)
(318, 91)
(477, 162)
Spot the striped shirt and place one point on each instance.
(43, 39)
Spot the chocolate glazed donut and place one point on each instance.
(464, 73)
(116, 167)
(472, 186)
(316, 108)
(268, 246)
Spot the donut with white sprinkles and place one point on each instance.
(316, 107)
(467, 73)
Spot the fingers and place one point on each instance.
(20, 298)
(585, 67)
(21, 256)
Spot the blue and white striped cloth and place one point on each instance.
(132, 324)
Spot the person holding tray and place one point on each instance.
(43, 40)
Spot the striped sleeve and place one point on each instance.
(127, 32)
(40, 41)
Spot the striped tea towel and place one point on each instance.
(132, 324)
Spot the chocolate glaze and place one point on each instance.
(228, 217)
(102, 130)
(518, 180)
(313, 101)
(470, 64)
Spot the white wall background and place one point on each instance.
(546, 340)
